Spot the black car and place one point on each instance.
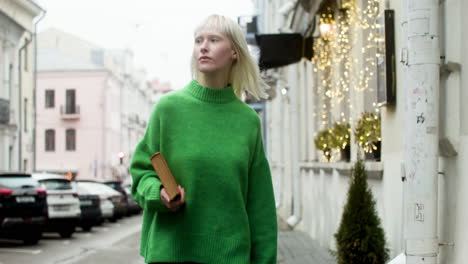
(23, 207)
(117, 185)
(133, 207)
(90, 205)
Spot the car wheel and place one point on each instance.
(86, 228)
(32, 238)
(67, 233)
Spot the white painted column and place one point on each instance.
(419, 168)
(294, 92)
(464, 70)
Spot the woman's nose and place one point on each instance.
(203, 49)
(204, 46)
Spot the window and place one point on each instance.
(70, 107)
(49, 99)
(25, 115)
(26, 41)
(70, 139)
(10, 80)
(50, 140)
(57, 184)
(10, 158)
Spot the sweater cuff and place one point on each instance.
(153, 198)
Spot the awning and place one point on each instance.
(278, 50)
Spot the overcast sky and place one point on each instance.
(159, 31)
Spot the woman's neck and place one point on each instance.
(215, 81)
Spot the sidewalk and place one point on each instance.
(295, 247)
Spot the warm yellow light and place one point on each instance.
(326, 30)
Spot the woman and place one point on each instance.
(212, 142)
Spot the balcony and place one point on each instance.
(70, 112)
(4, 111)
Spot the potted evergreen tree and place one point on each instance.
(360, 237)
(367, 135)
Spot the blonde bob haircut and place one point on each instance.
(245, 74)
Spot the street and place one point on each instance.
(110, 243)
(119, 243)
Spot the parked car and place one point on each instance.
(63, 203)
(106, 193)
(23, 207)
(117, 185)
(90, 205)
(133, 207)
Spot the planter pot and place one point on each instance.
(346, 153)
(374, 155)
(327, 153)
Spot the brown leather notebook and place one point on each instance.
(165, 175)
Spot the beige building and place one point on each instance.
(338, 84)
(18, 21)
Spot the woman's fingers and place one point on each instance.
(175, 204)
(164, 195)
(182, 194)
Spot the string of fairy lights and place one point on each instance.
(345, 58)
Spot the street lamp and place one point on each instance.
(326, 30)
(121, 156)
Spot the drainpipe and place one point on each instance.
(282, 99)
(20, 105)
(35, 90)
(281, 159)
(295, 218)
(421, 59)
(104, 96)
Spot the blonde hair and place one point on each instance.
(245, 74)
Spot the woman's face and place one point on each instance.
(213, 51)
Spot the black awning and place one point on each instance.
(278, 50)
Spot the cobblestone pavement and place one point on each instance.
(296, 247)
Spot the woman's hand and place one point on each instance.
(175, 204)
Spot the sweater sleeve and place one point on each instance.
(146, 184)
(261, 208)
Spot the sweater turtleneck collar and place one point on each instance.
(211, 95)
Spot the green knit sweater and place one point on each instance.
(213, 145)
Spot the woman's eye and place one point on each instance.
(214, 40)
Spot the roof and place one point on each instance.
(14, 174)
(48, 176)
(50, 60)
(97, 188)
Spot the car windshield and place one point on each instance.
(56, 184)
(17, 182)
(113, 185)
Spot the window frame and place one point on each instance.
(70, 139)
(49, 140)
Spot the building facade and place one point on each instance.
(340, 83)
(17, 66)
(99, 108)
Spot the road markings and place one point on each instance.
(17, 250)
